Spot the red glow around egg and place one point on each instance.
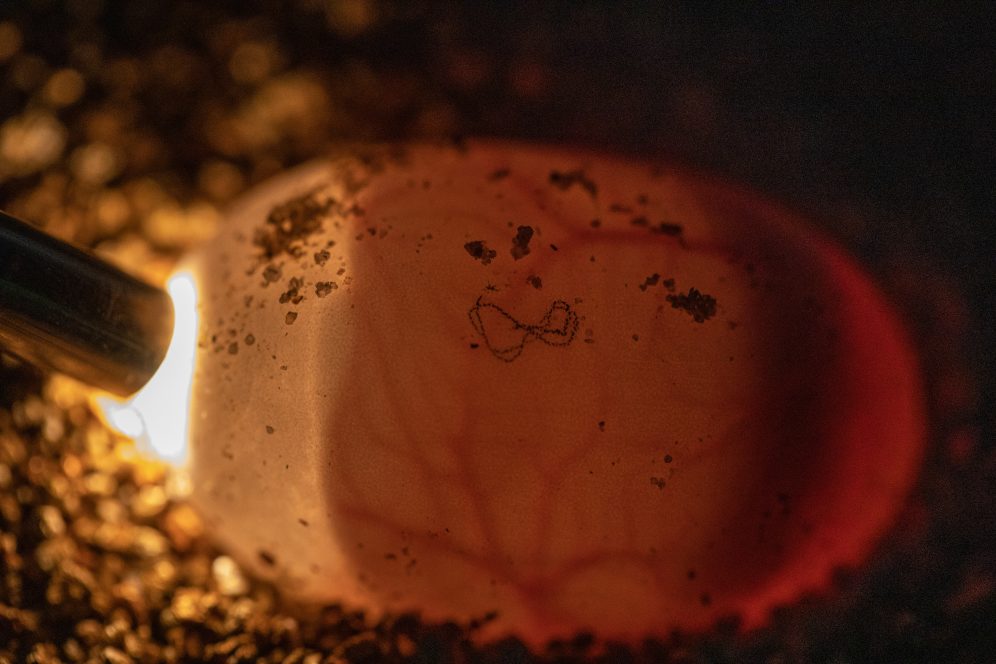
(578, 391)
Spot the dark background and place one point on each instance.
(877, 121)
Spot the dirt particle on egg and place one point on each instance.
(520, 243)
(267, 558)
(249, 340)
(601, 425)
(271, 274)
(233, 348)
(596, 223)
(665, 228)
(699, 306)
(661, 228)
(269, 429)
(479, 250)
(564, 180)
(499, 174)
(658, 482)
(535, 282)
(668, 458)
(322, 257)
(323, 288)
(290, 317)
(289, 224)
(293, 292)
(669, 285)
(650, 281)
(303, 522)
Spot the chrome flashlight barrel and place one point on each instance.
(64, 309)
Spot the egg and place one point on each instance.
(563, 390)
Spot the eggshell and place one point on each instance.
(583, 392)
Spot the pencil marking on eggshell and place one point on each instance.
(507, 337)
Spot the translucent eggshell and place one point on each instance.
(583, 392)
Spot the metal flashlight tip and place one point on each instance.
(66, 310)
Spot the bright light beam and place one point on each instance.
(157, 416)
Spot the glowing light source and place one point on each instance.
(157, 415)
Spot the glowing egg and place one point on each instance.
(583, 392)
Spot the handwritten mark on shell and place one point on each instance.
(506, 337)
